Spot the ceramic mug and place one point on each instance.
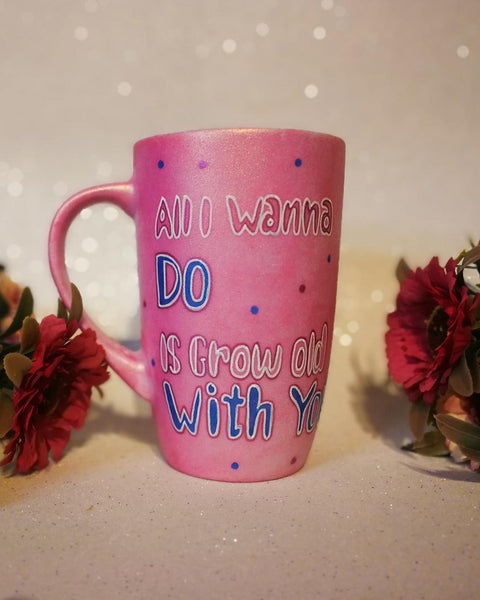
(238, 235)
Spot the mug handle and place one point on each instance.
(130, 365)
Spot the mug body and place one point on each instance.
(238, 246)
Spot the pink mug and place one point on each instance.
(238, 235)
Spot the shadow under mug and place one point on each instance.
(238, 234)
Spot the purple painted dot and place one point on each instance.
(144, 304)
(302, 288)
(254, 310)
(160, 164)
(294, 460)
(152, 362)
(329, 258)
(298, 162)
(235, 465)
(202, 164)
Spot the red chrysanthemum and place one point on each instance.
(429, 330)
(54, 395)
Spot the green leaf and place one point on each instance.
(402, 270)
(62, 311)
(472, 256)
(471, 454)
(76, 307)
(4, 307)
(418, 418)
(471, 354)
(30, 333)
(24, 309)
(16, 367)
(461, 380)
(7, 412)
(463, 433)
(431, 444)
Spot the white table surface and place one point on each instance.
(363, 520)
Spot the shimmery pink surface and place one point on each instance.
(263, 271)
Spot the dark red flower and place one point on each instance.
(54, 395)
(429, 330)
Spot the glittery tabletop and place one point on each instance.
(362, 519)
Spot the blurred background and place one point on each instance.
(82, 80)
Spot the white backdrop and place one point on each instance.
(83, 80)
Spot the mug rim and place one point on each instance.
(239, 130)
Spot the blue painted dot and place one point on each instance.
(202, 164)
(211, 388)
(329, 258)
(298, 162)
(161, 164)
(235, 465)
(152, 362)
(254, 310)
